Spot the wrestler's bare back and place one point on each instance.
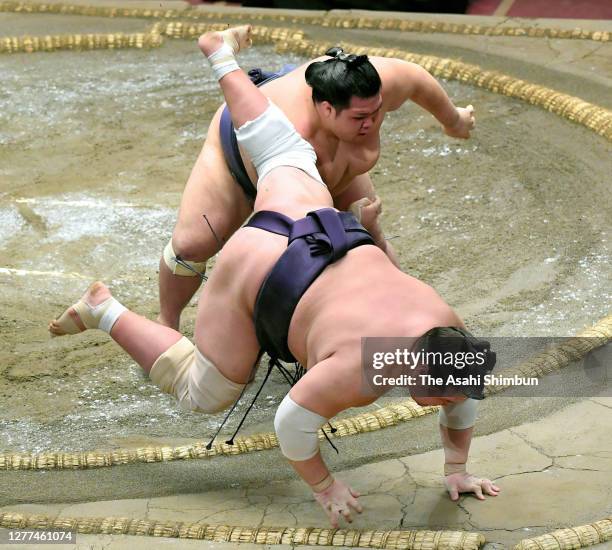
(363, 294)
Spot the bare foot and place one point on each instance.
(237, 38)
(71, 321)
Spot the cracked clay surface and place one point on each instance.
(553, 472)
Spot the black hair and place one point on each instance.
(343, 76)
(447, 350)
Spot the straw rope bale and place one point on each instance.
(51, 43)
(362, 423)
(150, 39)
(328, 20)
(559, 355)
(313, 536)
(182, 29)
(594, 117)
(570, 538)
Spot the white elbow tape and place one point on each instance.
(178, 269)
(297, 430)
(459, 416)
(271, 141)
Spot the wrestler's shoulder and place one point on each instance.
(392, 71)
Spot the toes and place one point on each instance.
(55, 330)
(244, 35)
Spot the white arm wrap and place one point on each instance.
(297, 430)
(459, 416)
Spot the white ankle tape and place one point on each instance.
(223, 61)
(110, 316)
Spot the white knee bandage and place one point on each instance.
(459, 416)
(272, 141)
(178, 269)
(198, 385)
(297, 430)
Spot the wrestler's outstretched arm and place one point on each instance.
(403, 80)
(457, 479)
(306, 409)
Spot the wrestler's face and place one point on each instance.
(431, 396)
(359, 120)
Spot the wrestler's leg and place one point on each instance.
(211, 191)
(143, 339)
(172, 362)
(244, 100)
(221, 199)
(262, 129)
(224, 330)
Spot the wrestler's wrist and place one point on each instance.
(379, 239)
(323, 485)
(454, 468)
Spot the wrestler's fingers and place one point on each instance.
(453, 491)
(356, 494)
(363, 202)
(490, 489)
(378, 204)
(354, 504)
(372, 205)
(470, 109)
(333, 517)
(478, 491)
(356, 207)
(347, 514)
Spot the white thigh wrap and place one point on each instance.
(297, 430)
(178, 269)
(459, 416)
(272, 141)
(198, 385)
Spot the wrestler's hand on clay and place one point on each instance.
(464, 125)
(467, 483)
(339, 499)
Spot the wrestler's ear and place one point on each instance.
(326, 110)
